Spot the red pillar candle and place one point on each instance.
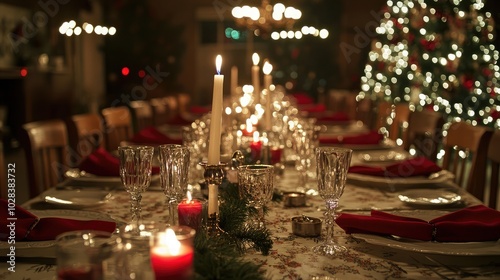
(256, 147)
(190, 211)
(170, 258)
(276, 153)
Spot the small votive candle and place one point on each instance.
(190, 212)
(171, 256)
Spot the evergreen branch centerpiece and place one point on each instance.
(219, 257)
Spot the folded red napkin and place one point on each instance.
(302, 98)
(335, 117)
(151, 135)
(28, 227)
(179, 120)
(102, 163)
(472, 224)
(418, 166)
(369, 138)
(312, 108)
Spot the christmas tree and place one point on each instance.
(436, 54)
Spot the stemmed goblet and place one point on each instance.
(135, 173)
(174, 168)
(256, 184)
(332, 166)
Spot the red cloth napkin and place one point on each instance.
(370, 138)
(335, 117)
(312, 108)
(102, 163)
(473, 224)
(419, 166)
(302, 98)
(28, 227)
(151, 135)
(179, 120)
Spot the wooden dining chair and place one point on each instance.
(365, 112)
(465, 148)
(45, 145)
(142, 114)
(424, 134)
(161, 111)
(494, 161)
(399, 125)
(384, 110)
(118, 126)
(85, 135)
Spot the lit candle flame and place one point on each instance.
(218, 63)
(189, 197)
(256, 136)
(255, 59)
(249, 126)
(168, 243)
(267, 68)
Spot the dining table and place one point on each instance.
(368, 256)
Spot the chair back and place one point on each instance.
(365, 112)
(85, 135)
(424, 133)
(142, 114)
(45, 145)
(161, 111)
(399, 125)
(494, 158)
(384, 110)
(118, 123)
(465, 148)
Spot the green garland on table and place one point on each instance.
(220, 257)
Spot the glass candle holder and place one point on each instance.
(172, 253)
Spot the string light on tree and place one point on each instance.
(436, 54)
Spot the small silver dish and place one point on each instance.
(306, 226)
(294, 199)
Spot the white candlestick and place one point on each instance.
(255, 77)
(216, 117)
(268, 80)
(234, 80)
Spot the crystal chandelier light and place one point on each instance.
(266, 18)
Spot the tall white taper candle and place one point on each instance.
(215, 134)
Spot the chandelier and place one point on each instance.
(266, 18)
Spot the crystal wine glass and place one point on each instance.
(256, 182)
(174, 168)
(135, 172)
(332, 166)
(305, 140)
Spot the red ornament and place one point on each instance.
(495, 114)
(468, 83)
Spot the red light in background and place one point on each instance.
(125, 71)
(141, 73)
(24, 72)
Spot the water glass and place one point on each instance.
(174, 169)
(256, 185)
(332, 166)
(131, 253)
(135, 172)
(83, 254)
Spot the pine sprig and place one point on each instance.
(220, 257)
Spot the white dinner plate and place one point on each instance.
(490, 248)
(399, 182)
(429, 197)
(111, 180)
(383, 156)
(47, 248)
(78, 198)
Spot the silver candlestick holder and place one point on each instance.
(214, 173)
